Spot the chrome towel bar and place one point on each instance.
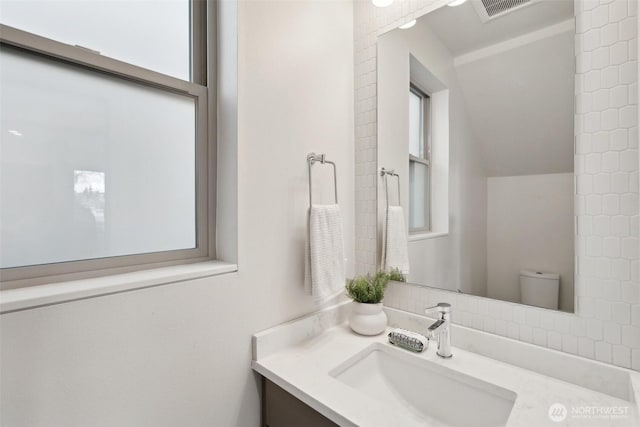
(312, 158)
(385, 173)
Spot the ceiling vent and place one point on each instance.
(492, 9)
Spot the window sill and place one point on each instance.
(425, 236)
(56, 293)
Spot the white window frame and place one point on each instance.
(201, 88)
(425, 159)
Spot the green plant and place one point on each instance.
(396, 274)
(368, 289)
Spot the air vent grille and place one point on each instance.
(497, 7)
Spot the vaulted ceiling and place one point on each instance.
(517, 77)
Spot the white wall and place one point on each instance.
(180, 354)
(606, 326)
(530, 227)
(457, 259)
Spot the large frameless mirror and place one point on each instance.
(476, 120)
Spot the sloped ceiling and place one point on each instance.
(520, 101)
(462, 31)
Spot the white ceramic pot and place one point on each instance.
(367, 319)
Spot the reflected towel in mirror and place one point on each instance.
(395, 252)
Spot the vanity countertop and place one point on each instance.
(299, 355)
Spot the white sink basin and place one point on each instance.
(424, 390)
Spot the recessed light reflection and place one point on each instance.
(15, 132)
(381, 3)
(456, 3)
(407, 25)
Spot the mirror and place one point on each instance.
(476, 121)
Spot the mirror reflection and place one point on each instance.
(476, 120)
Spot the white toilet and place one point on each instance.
(539, 289)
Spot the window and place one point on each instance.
(419, 161)
(106, 139)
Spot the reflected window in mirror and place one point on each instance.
(419, 160)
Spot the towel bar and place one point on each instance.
(385, 173)
(311, 159)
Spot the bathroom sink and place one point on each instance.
(424, 390)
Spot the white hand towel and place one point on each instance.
(395, 251)
(324, 261)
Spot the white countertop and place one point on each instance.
(298, 356)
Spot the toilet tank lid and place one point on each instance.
(540, 275)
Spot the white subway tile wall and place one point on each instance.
(607, 324)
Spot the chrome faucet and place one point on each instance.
(439, 330)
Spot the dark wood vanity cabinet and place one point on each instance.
(281, 409)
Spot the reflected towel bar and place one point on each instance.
(385, 173)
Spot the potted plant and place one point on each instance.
(367, 316)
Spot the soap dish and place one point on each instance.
(408, 340)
